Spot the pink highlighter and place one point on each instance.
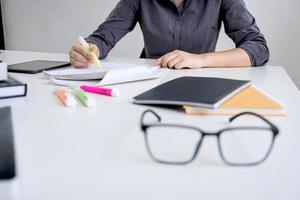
(100, 90)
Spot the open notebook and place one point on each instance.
(250, 99)
(110, 73)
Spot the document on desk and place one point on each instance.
(111, 73)
(131, 74)
(90, 73)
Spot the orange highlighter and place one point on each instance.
(65, 98)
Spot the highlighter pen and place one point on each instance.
(87, 48)
(100, 90)
(86, 100)
(65, 98)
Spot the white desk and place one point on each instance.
(99, 153)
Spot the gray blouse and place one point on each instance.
(193, 27)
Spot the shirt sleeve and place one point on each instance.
(241, 27)
(121, 20)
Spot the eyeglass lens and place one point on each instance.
(172, 144)
(245, 146)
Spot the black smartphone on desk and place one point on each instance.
(36, 66)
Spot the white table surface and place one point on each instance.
(99, 153)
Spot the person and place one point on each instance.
(181, 33)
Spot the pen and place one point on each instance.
(65, 98)
(86, 100)
(87, 48)
(100, 90)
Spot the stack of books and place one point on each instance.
(9, 86)
(211, 96)
(250, 99)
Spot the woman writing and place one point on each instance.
(181, 33)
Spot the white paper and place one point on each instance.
(131, 74)
(110, 73)
(89, 73)
(73, 71)
(112, 66)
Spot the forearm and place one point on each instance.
(121, 20)
(231, 58)
(240, 26)
(179, 59)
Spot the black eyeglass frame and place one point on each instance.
(217, 134)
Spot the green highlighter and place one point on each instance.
(86, 100)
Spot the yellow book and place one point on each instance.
(250, 99)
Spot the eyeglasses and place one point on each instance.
(179, 144)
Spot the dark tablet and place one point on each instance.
(7, 150)
(36, 66)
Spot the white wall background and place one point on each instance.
(54, 25)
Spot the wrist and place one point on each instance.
(201, 60)
(205, 60)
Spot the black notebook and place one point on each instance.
(7, 152)
(12, 88)
(205, 92)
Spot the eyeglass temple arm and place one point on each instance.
(144, 126)
(274, 128)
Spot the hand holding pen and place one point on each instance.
(82, 56)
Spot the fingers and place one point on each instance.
(95, 49)
(79, 57)
(79, 49)
(76, 56)
(172, 63)
(167, 58)
(157, 61)
(164, 60)
(170, 60)
(180, 65)
(78, 63)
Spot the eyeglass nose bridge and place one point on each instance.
(199, 145)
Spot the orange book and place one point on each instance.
(250, 99)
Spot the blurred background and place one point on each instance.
(53, 26)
